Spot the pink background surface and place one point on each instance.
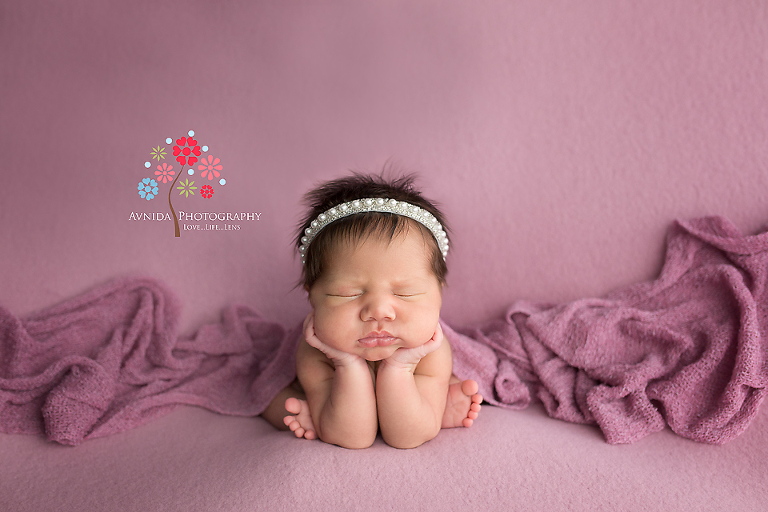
(560, 137)
(521, 461)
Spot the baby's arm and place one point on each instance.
(339, 392)
(411, 391)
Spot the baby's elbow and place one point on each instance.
(400, 445)
(361, 445)
(412, 441)
(358, 442)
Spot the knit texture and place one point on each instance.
(687, 350)
(110, 360)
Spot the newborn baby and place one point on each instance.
(373, 357)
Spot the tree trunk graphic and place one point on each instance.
(175, 218)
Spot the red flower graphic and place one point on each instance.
(182, 152)
(206, 191)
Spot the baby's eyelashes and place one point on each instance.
(347, 295)
(406, 295)
(351, 295)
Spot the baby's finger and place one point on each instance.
(430, 347)
(412, 356)
(314, 341)
(433, 343)
(438, 333)
(309, 325)
(309, 334)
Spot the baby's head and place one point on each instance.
(358, 227)
(374, 274)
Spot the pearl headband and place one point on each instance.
(372, 204)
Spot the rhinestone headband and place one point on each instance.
(372, 204)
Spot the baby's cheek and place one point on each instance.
(328, 331)
(426, 320)
(422, 332)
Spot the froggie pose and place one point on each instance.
(373, 356)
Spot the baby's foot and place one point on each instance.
(463, 404)
(301, 424)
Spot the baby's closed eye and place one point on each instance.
(347, 295)
(406, 294)
(352, 294)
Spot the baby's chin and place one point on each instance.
(378, 354)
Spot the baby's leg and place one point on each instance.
(281, 410)
(463, 404)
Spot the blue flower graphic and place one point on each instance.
(147, 188)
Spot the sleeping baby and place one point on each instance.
(373, 356)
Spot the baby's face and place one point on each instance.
(378, 296)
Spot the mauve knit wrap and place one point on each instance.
(686, 350)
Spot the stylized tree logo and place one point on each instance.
(186, 150)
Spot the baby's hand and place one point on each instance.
(408, 358)
(338, 357)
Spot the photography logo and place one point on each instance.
(201, 181)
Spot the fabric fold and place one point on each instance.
(686, 350)
(110, 359)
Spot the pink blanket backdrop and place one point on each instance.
(561, 139)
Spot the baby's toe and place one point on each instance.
(469, 387)
(292, 423)
(293, 405)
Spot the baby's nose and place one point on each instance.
(378, 308)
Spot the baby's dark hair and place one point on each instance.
(359, 226)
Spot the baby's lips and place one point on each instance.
(377, 341)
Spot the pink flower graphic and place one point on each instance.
(206, 191)
(164, 173)
(210, 168)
